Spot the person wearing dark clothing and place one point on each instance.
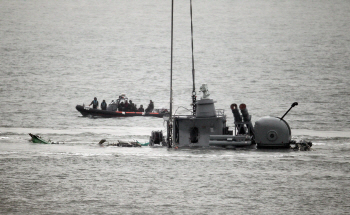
(121, 106)
(94, 103)
(150, 107)
(126, 106)
(104, 105)
(132, 106)
(141, 109)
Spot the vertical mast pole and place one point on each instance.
(171, 78)
(193, 71)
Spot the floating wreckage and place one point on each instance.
(302, 145)
(121, 143)
(38, 139)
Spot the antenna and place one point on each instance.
(193, 71)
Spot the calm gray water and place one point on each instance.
(266, 54)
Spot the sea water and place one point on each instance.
(266, 54)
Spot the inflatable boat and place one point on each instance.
(122, 107)
(87, 111)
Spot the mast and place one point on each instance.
(193, 71)
(169, 130)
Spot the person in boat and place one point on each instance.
(132, 106)
(94, 103)
(140, 109)
(150, 106)
(121, 106)
(104, 105)
(126, 106)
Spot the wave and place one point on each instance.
(329, 135)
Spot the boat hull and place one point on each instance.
(87, 111)
(37, 139)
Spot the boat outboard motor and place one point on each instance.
(273, 132)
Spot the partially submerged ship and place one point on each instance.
(206, 126)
